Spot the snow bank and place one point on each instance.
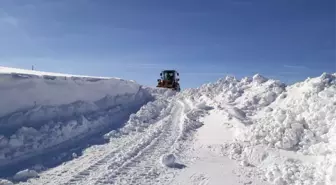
(39, 112)
(26, 91)
(25, 72)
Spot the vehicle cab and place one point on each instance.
(169, 75)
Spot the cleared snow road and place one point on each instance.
(130, 159)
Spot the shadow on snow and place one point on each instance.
(63, 152)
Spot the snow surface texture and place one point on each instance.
(38, 113)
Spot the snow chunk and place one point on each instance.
(168, 160)
(25, 174)
(203, 106)
(230, 79)
(74, 155)
(259, 78)
(5, 182)
(15, 141)
(330, 166)
(238, 113)
(280, 181)
(38, 167)
(3, 141)
(246, 80)
(244, 163)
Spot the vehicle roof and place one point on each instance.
(169, 71)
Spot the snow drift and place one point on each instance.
(39, 111)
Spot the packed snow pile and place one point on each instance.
(39, 111)
(299, 120)
(299, 117)
(302, 118)
(247, 95)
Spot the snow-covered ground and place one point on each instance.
(248, 131)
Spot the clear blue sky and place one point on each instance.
(205, 40)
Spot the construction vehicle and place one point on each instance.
(169, 79)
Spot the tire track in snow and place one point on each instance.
(101, 163)
(120, 156)
(133, 159)
(143, 165)
(117, 158)
(97, 156)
